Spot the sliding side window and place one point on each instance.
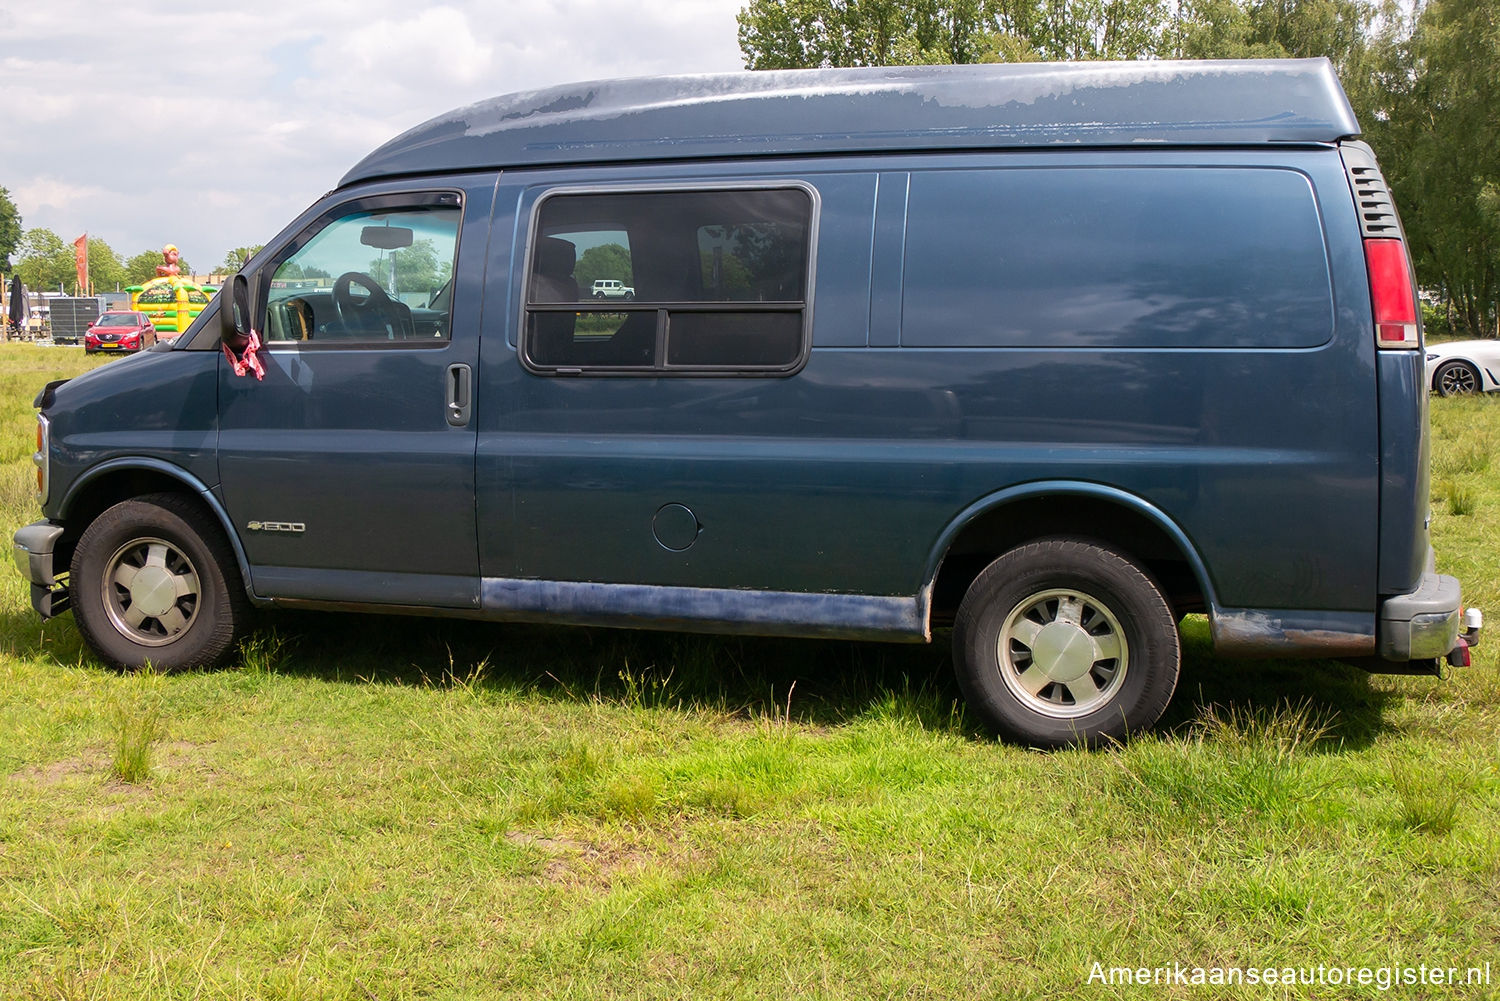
(670, 282)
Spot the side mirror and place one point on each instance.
(236, 314)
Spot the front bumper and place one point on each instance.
(1428, 623)
(35, 548)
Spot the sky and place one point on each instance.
(151, 123)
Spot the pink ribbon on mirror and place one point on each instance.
(248, 362)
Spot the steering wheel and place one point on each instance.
(373, 312)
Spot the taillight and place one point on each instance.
(1391, 293)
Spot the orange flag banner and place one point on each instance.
(81, 258)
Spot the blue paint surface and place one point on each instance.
(990, 106)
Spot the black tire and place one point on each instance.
(183, 602)
(1091, 652)
(629, 296)
(1456, 378)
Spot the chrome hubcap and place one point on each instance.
(150, 591)
(1062, 653)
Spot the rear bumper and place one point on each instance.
(1427, 623)
(34, 549)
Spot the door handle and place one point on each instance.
(460, 395)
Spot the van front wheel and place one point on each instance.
(1063, 642)
(153, 581)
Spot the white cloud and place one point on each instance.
(435, 48)
(218, 136)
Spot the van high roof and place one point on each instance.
(988, 106)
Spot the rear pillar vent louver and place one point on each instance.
(1372, 196)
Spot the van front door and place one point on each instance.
(349, 469)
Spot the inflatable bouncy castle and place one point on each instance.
(170, 301)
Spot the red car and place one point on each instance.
(122, 332)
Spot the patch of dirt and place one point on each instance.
(578, 862)
(91, 762)
(95, 761)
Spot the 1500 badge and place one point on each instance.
(277, 526)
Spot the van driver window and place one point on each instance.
(669, 282)
(368, 278)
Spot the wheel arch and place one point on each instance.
(996, 523)
(1480, 372)
(120, 479)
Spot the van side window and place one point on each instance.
(670, 282)
(369, 277)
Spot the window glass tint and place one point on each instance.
(734, 340)
(368, 278)
(751, 262)
(1125, 257)
(670, 279)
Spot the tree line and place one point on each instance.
(45, 261)
(1424, 80)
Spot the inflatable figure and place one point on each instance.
(170, 255)
(168, 299)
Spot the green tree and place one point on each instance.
(1437, 130)
(1276, 29)
(45, 262)
(237, 258)
(784, 34)
(608, 260)
(10, 229)
(105, 268)
(141, 267)
(416, 268)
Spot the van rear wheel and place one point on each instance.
(153, 581)
(1063, 642)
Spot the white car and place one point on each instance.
(608, 288)
(1459, 367)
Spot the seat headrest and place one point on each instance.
(555, 258)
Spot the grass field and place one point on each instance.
(374, 808)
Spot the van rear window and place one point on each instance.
(1115, 257)
(675, 281)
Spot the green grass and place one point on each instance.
(388, 808)
(137, 725)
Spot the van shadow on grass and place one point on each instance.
(828, 682)
(811, 682)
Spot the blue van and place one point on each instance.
(1050, 354)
